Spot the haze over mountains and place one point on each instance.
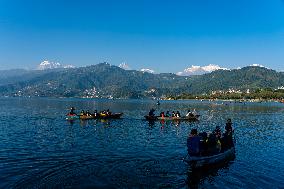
(105, 80)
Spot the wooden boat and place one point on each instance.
(184, 118)
(200, 161)
(99, 116)
(111, 116)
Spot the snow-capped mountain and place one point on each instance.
(147, 70)
(52, 65)
(124, 66)
(199, 70)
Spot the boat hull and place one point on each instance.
(155, 118)
(72, 117)
(85, 117)
(200, 161)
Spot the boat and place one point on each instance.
(99, 116)
(200, 161)
(86, 117)
(184, 118)
(111, 116)
(72, 117)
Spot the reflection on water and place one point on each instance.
(197, 176)
(40, 149)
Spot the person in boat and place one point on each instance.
(88, 113)
(213, 144)
(227, 139)
(194, 112)
(103, 113)
(158, 103)
(203, 143)
(193, 143)
(189, 114)
(108, 112)
(82, 113)
(173, 114)
(162, 114)
(217, 132)
(228, 126)
(72, 113)
(177, 114)
(168, 114)
(151, 112)
(95, 113)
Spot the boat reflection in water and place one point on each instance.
(197, 175)
(163, 123)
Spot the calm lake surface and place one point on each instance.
(40, 149)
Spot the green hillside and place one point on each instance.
(104, 80)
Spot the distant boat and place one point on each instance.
(99, 116)
(185, 118)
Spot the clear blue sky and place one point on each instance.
(167, 36)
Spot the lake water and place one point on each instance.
(40, 149)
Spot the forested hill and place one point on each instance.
(101, 80)
(251, 77)
(104, 80)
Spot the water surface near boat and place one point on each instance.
(40, 149)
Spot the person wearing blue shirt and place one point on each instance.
(193, 143)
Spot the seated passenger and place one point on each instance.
(103, 113)
(162, 114)
(217, 132)
(203, 143)
(194, 112)
(151, 112)
(108, 112)
(88, 113)
(189, 114)
(82, 113)
(95, 113)
(177, 114)
(168, 114)
(173, 114)
(193, 142)
(214, 145)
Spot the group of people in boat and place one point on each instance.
(173, 113)
(204, 144)
(88, 113)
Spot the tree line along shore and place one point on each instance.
(258, 95)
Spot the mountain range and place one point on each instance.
(105, 80)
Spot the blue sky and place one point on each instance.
(166, 36)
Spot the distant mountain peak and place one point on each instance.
(147, 70)
(124, 66)
(44, 65)
(199, 70)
